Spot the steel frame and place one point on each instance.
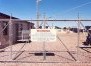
(82, 20)
(78, 22)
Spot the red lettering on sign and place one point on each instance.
(43, 30)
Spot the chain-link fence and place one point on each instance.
(67, 48)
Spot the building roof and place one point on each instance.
(5, 16)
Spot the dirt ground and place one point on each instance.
(65, 51)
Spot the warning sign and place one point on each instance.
(40, 35)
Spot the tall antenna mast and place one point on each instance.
(38, 14)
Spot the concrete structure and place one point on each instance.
(15, 31)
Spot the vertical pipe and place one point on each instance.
(44, 21)
(37, 6)
(44, 51)
(78, 37)
(10, 35)
(52, 25)
(0, 34)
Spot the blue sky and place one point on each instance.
(56, 9)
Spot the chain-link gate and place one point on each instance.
(67, 48)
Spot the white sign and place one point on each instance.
(40, 35)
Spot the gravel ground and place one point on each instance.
(64, 52)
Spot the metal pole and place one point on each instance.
(78, 37)
(37, 23)
(52, 20)
(10, 35)
(44, 21)
(52, 25)
(44, 51)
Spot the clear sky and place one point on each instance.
(56, 9)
